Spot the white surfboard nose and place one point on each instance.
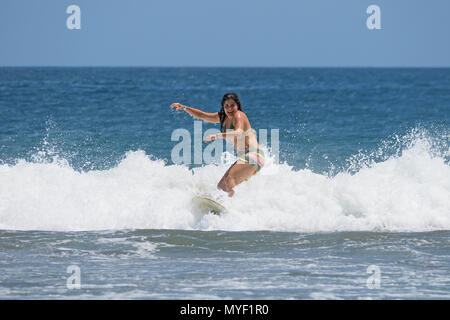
(205, 205)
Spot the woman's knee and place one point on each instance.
(221, 185)
(226, 184)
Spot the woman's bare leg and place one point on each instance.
(237, 173)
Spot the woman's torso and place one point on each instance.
(247, 141)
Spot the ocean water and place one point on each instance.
(353, 203)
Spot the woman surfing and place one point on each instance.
(234, 125)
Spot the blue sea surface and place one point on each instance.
(355, 205)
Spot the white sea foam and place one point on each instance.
(405, 192)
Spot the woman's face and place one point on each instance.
(230, 107)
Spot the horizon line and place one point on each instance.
(189, 66)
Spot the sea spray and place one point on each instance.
(407, 191)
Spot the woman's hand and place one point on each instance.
(177, 105)
(211, 137)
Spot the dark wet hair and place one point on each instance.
(226, 97)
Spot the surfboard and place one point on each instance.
(206, 205)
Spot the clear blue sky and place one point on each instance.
(307, 33)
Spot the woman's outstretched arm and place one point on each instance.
(196, 113)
